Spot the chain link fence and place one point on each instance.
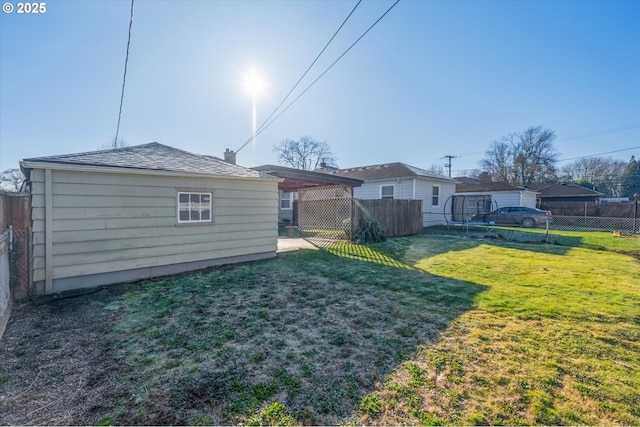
(592, 223)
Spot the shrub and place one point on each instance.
(370, 232)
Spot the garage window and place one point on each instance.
(194, 207)
(386, 191)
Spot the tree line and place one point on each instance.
(530, 157)
(518, 158)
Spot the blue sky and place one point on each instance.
(432, 78)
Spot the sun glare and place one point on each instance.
(253, 83)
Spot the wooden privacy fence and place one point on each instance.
(15, 211)
(396, 217)
(591, 209)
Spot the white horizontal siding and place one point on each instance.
(406, 189)
(508, 198)
(107, 222)
(433, 214)
(529, 199)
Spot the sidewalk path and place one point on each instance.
(288, 244)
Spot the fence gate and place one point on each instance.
(324, 214)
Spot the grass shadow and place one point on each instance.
(314, 332)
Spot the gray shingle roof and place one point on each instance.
(155, 157)
(565, 189)
(488, 186)
(388, 170)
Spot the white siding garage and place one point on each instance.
(126, 214)
(502, 194)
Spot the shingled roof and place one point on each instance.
(489, 186)
(387, 171)
(565, 189)
(152, 157)
(296, 179)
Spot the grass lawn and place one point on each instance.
(447, 327)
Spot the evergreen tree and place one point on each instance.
(631, 178)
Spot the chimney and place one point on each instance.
(230, 156)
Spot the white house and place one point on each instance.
(502, 194)
(125, 214)
(402, 181)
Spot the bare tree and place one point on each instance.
(11, 180)
(120, 143)
(604, 174)
(522, 158)
(498, 162)
(437, 169)
(305, 153)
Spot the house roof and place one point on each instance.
(295, 179)
(489, 186)
(151, 157)
(386, 171)
(466, 180)
(565, 189)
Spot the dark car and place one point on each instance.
(519, 215)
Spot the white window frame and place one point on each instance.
(393, 191)
(290, 199)
(435, 196)
(193, 206)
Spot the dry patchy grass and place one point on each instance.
(426, 330)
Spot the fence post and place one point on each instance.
(547, 221)
(635, 213)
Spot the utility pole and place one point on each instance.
(448, 165)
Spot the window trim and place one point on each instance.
(291, 200)
(194, 221)
(393, 192)
(434, 196)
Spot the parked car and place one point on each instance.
(518, 215)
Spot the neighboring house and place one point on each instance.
(125, 214)
(402, 181)
(502, 194)
(564, 192)
(292, 180)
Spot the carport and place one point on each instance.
(318, 200)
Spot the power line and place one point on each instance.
(448, 165)
(303, 75)
(263, 128)
(599, 132)
(599, 154)
(124, 77)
